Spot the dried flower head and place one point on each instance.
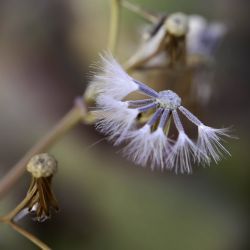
(177, 24)
(40, 199)
(164, 46)
(150, 143)
(42, 165)
(177, 38)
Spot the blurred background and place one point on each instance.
(46, 48)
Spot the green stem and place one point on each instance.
(140, 11)
(69, 121)
(114, 25)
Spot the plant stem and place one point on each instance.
(69, 121)
(140, 11)
(28, 235)
(114, 25)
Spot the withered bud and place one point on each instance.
(177, 24)
(42, 165)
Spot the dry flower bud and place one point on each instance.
(42, 165)
(177, 24)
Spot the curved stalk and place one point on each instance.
(140, 11)
(114, 25)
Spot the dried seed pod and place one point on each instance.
(165, 46)
(42, 165)
(177, 24)
(40, 199)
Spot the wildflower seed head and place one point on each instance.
(177, 24)
(168, 100)
(150, 144)
(42, 165)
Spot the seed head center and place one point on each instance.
(169, 100)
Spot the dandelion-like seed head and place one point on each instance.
(150, 144)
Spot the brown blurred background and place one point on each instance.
(46, 48)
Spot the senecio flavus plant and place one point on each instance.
(144, 126)
(150, 143)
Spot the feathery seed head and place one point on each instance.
(150, 144)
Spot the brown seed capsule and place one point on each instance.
(42, 165)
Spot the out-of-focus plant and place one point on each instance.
(176, 44)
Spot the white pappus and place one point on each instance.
(149, 144)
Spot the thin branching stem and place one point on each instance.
(69, 121)
(140, 11)
(28, 235)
